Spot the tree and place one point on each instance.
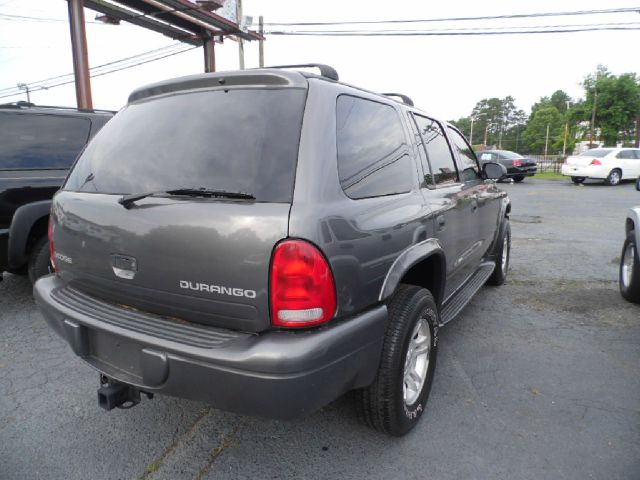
(535, 134)
(617, 104)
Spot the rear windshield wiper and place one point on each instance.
(127, 200)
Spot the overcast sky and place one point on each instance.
(445, 76)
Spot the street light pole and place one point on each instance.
(471, 136)
(566, 131)
(546, 142)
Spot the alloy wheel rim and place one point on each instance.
(627, 264)
(416, 362)
(615, 178)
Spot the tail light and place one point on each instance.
(51, 249)
(595, 162)
(517, 163)
(302, 289)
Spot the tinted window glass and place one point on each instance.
(625, 154)
(238, 140)
(637, 153)
(40, 141)
(373, 158)
(511, 155)
(442, 170)
(596, 152)
(468, 165)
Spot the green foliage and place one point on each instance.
(535, 134)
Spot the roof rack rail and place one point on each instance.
(406, 100)
(23, 104)
(325, 70)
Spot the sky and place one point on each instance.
(445, 76)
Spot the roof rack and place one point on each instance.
(325, 70)
(23, 104)
(406, 100)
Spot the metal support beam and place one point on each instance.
(209, 55)
(80, 55)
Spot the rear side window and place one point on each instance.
(373, 156)
(441, 168)
(31, 141)
(625, 154)
(235, 140)
(596, 152)
(469, 170)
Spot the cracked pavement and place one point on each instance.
(535, 379)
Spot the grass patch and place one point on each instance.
(549, 176)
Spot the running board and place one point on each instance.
(463, 296)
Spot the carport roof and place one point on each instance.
(178, 19)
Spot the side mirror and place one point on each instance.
(638, 184)
(495, 171)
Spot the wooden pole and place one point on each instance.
(261, 41)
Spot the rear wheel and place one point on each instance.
(39, 260)
(578, 180)
(518, 178)
(630, 269)
(499, 274)
(614, 177)
(397, 398)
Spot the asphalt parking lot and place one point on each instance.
(537, 379)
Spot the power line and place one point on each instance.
(112, 70)
(119, 62)
(26, 18)
(429, 33)
(461, 19)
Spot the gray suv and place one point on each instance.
(268, 240)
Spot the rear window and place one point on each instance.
(597, 152)
(510, 155)
(235, 140)
(32, 141)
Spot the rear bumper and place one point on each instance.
(278, 374)
(587, 171)
(527, 171)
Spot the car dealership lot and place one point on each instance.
(536, 379)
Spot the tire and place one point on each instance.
(502, 255)
(578, 180)
(614, 177)
(39, 260)
(518, 178)
(388, 405)
(629, 273)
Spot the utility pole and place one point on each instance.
(566, 131)
(80, 53)
(240, 40)
(546, 142)
(593, 115)
(209, 54)
(261, 41)
(486, 129)
(471, 136)
(638, 132)
(25, 87)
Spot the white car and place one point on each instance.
(609, 164)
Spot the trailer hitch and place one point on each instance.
(114, 394)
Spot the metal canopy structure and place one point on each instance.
(191, 22)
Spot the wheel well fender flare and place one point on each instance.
(409, 258)
(22, 230)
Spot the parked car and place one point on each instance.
(609, 164)
(518, 167)
(37, 146)
(270, 259)
(630, 259)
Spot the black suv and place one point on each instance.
(37, 146)
(267, 240)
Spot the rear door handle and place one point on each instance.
(441, 222)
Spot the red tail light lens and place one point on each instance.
(302, 289)
(517, 163)
(51, 250)
(596, 162)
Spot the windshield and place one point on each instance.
(597, 152)
(236, 141)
